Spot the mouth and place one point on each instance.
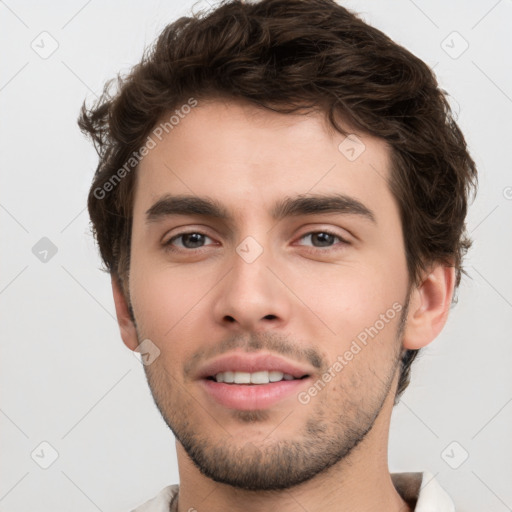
(253, 381)
(253, 378)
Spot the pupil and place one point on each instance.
(195, 238)
(324, 238)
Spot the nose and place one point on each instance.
(251, 297)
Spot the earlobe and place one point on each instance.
(124, 318)
(429, 307)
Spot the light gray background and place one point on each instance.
(66, 377)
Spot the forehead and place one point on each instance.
(246, 157)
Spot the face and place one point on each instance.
(263, 253)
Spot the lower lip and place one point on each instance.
(249, 397)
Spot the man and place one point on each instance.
(281, 201)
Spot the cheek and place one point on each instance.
(163, 300)
(363, 308)
(350, 299)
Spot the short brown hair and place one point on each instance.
(290, 55)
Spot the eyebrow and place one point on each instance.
(289, 207)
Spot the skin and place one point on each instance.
(304, 298)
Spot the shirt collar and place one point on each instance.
(422, 492)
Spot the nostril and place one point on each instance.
(270, 317)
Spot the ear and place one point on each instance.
(429, 307)
(124, 319)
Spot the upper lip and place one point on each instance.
(244, 362)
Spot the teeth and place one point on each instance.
(274, 376)
(242, 378)
(228, 377)
(261, 377)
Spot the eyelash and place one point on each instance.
(169, 247)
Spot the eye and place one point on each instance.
(190, 240)
(323, 239)
(196, 240)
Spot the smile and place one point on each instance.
(259, 377)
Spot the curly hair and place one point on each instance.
(291, 55)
